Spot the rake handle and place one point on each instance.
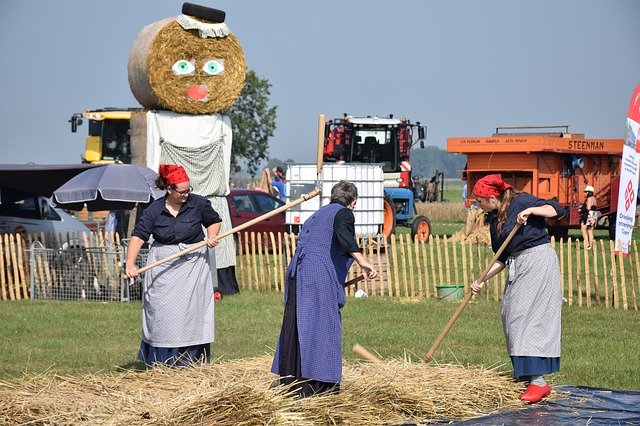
(234, 230)
(354, 281)
(468, 296)
(360, 350)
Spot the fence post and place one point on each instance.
(15, 273)
(596, 287)
(3, 283)
(606, 274)
(419, 271)
(425, 268)
(379, 265)
(579, 271)
(447, 260)
(616, 295)
(410, 259)
(623, 281)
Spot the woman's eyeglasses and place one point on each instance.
(185, 192)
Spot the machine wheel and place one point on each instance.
(422, 228)
(388, 217)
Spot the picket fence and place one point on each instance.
(407, 269)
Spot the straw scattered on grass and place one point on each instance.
(239, 393)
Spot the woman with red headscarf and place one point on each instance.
(532, 301)
(178, 297)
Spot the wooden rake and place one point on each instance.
(468, 296)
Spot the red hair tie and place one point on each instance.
(490, 185)
(173, 173)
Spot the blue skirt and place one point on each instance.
(526, 366)
(174, 357)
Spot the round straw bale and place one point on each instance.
(154, 84)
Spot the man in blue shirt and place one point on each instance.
(278, 182)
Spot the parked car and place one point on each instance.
(247, 204)
(27, 213)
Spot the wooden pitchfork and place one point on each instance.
(468, 296)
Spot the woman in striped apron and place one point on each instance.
(177, 302)
(532, 301)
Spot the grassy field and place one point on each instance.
(600, 346)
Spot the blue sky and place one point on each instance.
(461, 67)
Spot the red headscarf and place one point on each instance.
(490, 185)
(173, 174)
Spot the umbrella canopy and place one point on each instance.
(109, 187)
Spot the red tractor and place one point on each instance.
(386, 142)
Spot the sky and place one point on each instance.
(462, 67)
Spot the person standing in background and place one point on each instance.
(588, 216)
(239, 179)
(278, 181)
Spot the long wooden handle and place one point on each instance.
(468, 296)
(238, 228)
(320, 151)
(358, 349)
(354, 281)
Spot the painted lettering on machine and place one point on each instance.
(586, 145)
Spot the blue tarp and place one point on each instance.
(572, 405)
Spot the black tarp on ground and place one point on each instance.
(574, 405)
(39, 179)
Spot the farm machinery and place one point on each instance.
(387, 142)
(548, 162)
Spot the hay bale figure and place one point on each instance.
(185, 71)
(187, 65)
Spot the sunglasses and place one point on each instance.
(185, 192)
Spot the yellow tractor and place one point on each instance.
(108, 139)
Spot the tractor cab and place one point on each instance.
(373, 140)
(386, 142)
(108, 139)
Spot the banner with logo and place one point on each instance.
(628, 191)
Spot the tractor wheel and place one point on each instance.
(421, 228)
(388, 217)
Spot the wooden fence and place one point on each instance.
(406, 269)
(412, 270)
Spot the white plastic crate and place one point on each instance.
(301, 179)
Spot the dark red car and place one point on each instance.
(247, 204)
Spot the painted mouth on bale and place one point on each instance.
(197, 92)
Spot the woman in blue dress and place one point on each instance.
(309, 351)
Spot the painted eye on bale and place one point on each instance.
(183, 67)
(214, 67)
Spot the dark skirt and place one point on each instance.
(227, 282)
(174, 357)
(526, 366)
(290, 366)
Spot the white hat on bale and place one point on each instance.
(589, 188)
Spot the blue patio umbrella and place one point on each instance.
(109, 187)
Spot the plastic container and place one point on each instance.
(368, 178)
(450, 291)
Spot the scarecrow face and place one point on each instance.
(189, 74)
